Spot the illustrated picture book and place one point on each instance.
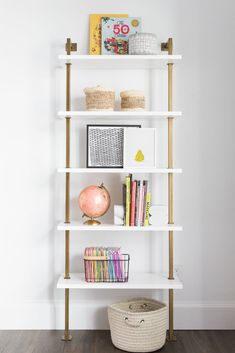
(116, 32)
(95, 31)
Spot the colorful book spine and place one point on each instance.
(124, 201)
(128, 199)
(103, 264)
(146, 220)
(145, 187)
(137, 202)
(133, 200)
(140, 203)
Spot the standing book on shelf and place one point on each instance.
(133, 201)
(95, 31)
(128, 199)
(146, 220)
(116, 32)
(137, 202)
(124, 201)
(145, 189)
(140, 203)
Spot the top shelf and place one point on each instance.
(129, 62)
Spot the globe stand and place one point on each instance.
(92, 222)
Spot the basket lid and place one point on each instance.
(138, 305)
(97, 89)
(131, 93)
(143, 35)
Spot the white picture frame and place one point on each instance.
(140, 148)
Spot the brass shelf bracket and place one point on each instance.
(167, 46)
(69, 46)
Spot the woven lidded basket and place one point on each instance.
(99, 98)
(132, 100)
(143, 44)
(138, 325)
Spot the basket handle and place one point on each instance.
(142, 306)
(137, 324)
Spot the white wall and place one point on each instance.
(32, 142)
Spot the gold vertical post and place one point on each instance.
(170, 165)
(68, 47)
(168, 46)
(67, 180)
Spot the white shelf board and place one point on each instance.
(119, 170)
(123, 62)
(79, 226)
(136, 281)
(120, 114)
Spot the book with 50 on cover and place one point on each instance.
(95, 31)
(116, 32)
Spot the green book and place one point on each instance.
(146, 219)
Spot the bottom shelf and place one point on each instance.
(136, 281)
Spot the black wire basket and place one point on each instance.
(101, 269)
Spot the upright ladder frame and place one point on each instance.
(69, 46)
(168, 46)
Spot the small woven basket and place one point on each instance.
(143, 44)
(99, 98)
(132, 100)
(138, 325)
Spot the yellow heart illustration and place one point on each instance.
(139, 157)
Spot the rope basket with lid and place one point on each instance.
(143, 44)
(99, 98)
(138, 325)
(132, 100)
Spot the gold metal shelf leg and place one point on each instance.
(168, 46)
(66, 336)
(171, 337)
(69, 46)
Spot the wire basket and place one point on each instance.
(101, 269)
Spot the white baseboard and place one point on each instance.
(88, 315)
(205, 315)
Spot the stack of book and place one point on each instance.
(136, 202)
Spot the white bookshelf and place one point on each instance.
(123, 115)
(117, 62)
(138, 281)
(120, 170)
(79, 226)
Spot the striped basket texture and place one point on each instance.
(138, 325)
(100, 100)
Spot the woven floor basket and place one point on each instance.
(138, 325)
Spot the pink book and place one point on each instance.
(141, 203)
(145, 187)
(133, 200)
(137, 202)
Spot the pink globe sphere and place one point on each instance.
(94, 201)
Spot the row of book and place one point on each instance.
(109, 33)
(105, 264)
(136, 202)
